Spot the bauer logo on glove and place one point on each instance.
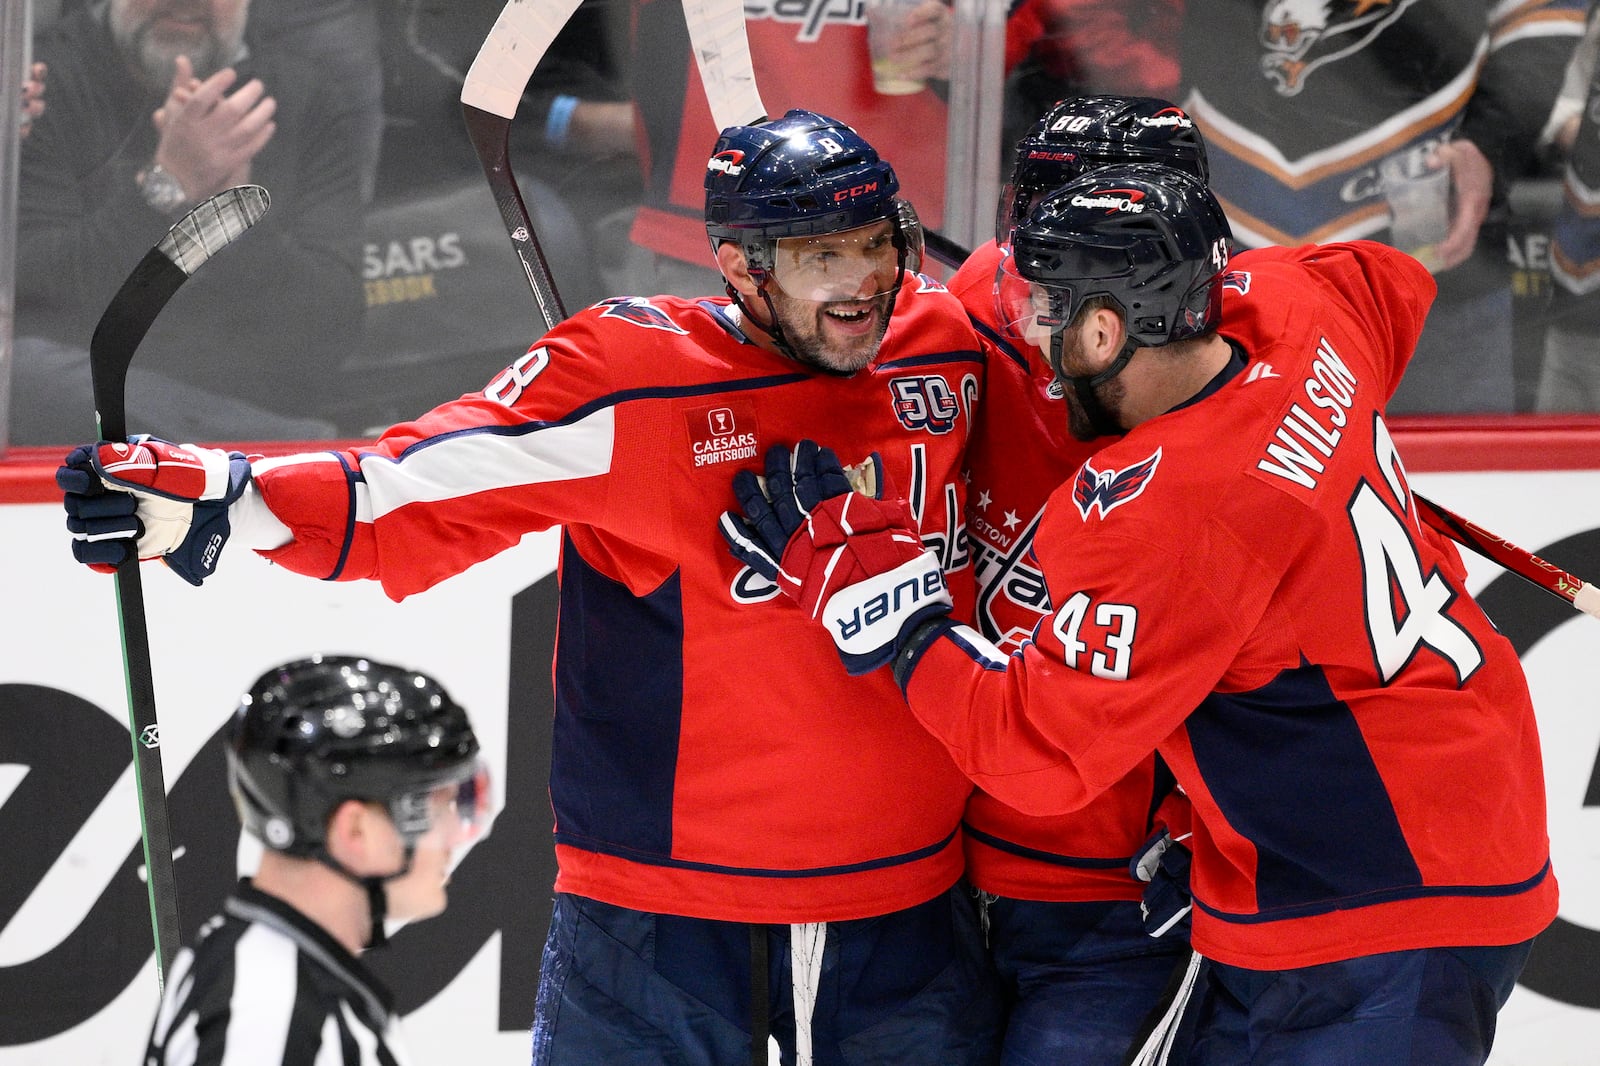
(850, 560)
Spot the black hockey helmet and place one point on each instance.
(797, 176)
(1151, 238)
(1081, 133)
(310, 734)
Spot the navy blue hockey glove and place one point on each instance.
(851, 560)
(1164, 864)
(161, 500)
(775, 506)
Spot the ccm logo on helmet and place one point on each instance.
(1113, 200)
(730, 162)
(854, 191)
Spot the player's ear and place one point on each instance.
(731, 261)
(1103, 334)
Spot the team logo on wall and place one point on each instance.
(1301, 35)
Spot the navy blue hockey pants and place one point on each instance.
(1429, 1007)
(1078, 979)
(620, 987)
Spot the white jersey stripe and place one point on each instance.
(466, 463)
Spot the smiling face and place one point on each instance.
(152, 33)
(833, 294)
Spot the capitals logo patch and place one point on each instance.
(640, 312)
(1111, 488)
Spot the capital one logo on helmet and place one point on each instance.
(1168, 116)
(1115, 201)
(730, 162)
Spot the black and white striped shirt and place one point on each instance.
(266, 985)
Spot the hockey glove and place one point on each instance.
(776, 506)
(850, 560)
(1164, 864)
(161, 500)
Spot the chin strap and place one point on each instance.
(376, 890)
(1104, 425)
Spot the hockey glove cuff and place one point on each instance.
(152, 497)
(1167, 903)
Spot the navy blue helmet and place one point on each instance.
(797, 176)
(1081, 133)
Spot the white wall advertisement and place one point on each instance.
(77, 972)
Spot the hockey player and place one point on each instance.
(1062, 910)
(360, 779)
(728, 804)
(1240, 582)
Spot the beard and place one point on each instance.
(1110, 394)
(839, 336)
(153, 44)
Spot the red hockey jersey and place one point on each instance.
(1020, 452)
(708, 760)
(1242, 582)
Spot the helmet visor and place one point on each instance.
(1029, 309)
(464, 808)
(856, 264)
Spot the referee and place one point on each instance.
(360, 779)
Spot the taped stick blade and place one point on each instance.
(519, 38)
(212, 225)
(722, 52)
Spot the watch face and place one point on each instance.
(162, 191)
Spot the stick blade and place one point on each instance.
(212, 225)
(722, 52)
(519, 38)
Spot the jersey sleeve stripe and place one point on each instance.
(462, 464)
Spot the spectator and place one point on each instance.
(739, 849)
(1313, 112)
(150, 113)
(1066, 933)
(32, 96)
(1240, 583)
(362, 782)
(1569, 379)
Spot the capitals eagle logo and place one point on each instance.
(1111, 488)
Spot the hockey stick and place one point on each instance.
(519, 38)
(1519, 561)
(209, 227)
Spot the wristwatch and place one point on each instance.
(162, 191)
